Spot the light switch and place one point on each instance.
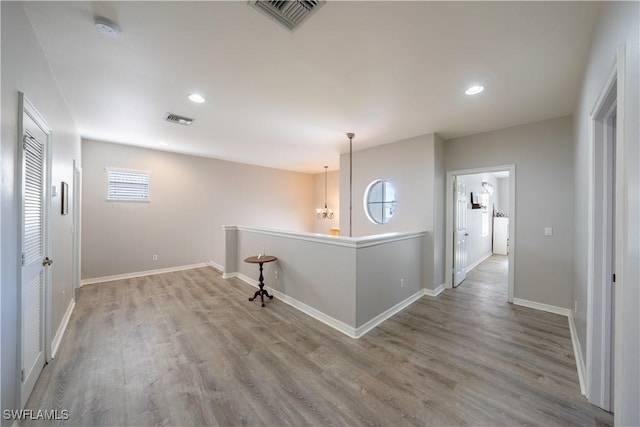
(548, 231)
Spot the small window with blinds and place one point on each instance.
(127, 185)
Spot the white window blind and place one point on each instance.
(127, 185)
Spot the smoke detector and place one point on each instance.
(106, 26)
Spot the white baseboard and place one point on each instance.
(84, 282)
(215, 265)
(479, 261)
(336, 324)
(248, 280)
(577, 351)
(435, 292)
(57, 339)
(362, 330)
(230, 275)
(543, 307)
(316, 314)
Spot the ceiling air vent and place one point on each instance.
(179, 120)
(288, 13)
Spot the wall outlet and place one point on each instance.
(575, 306)
(402, 283)
(275, 274)
(154, 257)
(548, 231)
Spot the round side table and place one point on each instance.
(261, 260)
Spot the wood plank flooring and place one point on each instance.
(187, 349)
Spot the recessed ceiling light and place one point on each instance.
(196, 98)
(106, 26)
(474, 90)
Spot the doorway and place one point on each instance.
(77, 222)
(604, 241)
(473, 215)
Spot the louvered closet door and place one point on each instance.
(33, 247)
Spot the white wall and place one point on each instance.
(409, 166)
(348, 281)
(542, 153)
(415, 166)
(319, 274)
(323, 226)
(617, 26)
(25, 68)
(191, 198)
(387, 275)
(502, 189)
(439, 212)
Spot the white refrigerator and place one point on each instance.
(501, 235)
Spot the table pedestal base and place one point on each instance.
(262, 292)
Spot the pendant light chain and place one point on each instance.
(325, 187)
(325, 213)
(350, 135)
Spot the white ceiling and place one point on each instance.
(384, 70)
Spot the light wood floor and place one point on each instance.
(187, 348)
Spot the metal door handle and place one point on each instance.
(46, 262)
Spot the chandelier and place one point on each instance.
(325, 213)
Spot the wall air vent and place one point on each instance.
(179, 120)
(288, 13)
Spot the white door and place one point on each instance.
(460, 234)
(34, 259)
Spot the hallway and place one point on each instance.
(489, 279)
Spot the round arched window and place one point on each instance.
(380, 201)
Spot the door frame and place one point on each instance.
(449, 232)
(77, 223)
(26, 107)
(599, 381)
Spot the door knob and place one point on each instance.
(46, 262)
